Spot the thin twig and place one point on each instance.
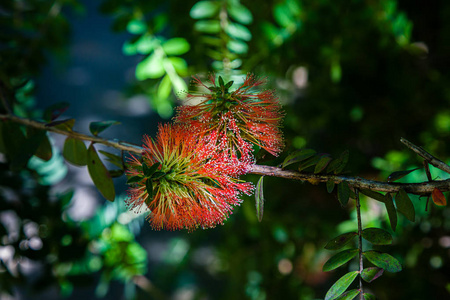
(422, 188)
(427, 156)
(361, 266)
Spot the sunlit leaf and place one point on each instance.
(383, 260)
(65, 125)
(136, 27)
(373, 195)
(283, 15)
(237, 46)
(404, 205)
(97, 127)
(438, 197)
(259, 198)
(377, 236)
(368, 296)
(164, 88)
(297, 156)
(340, 241)
(392, 212)
(339, 259)
(372, 273)
(209, 26)
(151, 67)
(399, 174)
(349, 295)
(55, 110)
(176, 46)
(75, 151)
(343, 193)
(238, 31)
(99, 174)
(146, 44)
(240, 13)
(330, 185)
(341, 285)
(204, 9)
(322, 164)
(179, 65)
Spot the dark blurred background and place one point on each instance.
(352, 75)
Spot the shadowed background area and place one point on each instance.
(351, 75)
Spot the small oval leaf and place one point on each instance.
(100, 175)
(297, 156)
(339, 259)
(44, 151)
(176, 46)
(392, 212)
(341, 285)
(134, 179)
(340, 241)
(54, 111)
(322, 164)
(305, 164)
(149, 186)
(65, 125)
(399, 174)
(368, 296)
(259, 199)
(404, 205)
(96, 127)
(343, 162)
(372, 273)
(374, 195)
(349, 295)
(75, 152)
(343, 193)
(383, 260)
(438, 197)
(330, 186)
(204, 9)
(377, 236)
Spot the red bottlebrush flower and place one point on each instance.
(240, 117)
(183, 181)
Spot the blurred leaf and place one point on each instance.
(373, 195)
(44, 150)
(283, 15)
(322, 164)
(136, 27)
(204, 9)
(151, 67)
(75, 151)
(210, 26)
(146, 44)
(383, 260)
(438, 197)
(238, 31)
(349, 295)
(399, 174)
(377, 236)
(149, 187)
(55, 110)
(164, 88)
(339, 259)
(180, 65)
(340, 241)
(116, 173)
(97, 127)
(176, 46)
(237, 46)
(404, 205)
(343, 193)
(392, 212)
(112, 158)
(240, 13)
(372, 273)
(330, 186)
(297, 156)
(158, 175)
(100, 175)
(368, 296)
(65, 125)
(149, 171)
(259, 198)
(134, 179)
(341, 285)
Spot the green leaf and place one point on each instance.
(210, 26)
(97, 127)
(136, 27)
(373, 195)
(297, 156)
(112, 158)
(149, 171)
(149, 187)
(309, 162)
(134, 179)
(99, 174)
(372, 273)
(176, 46)
(404, 205)
(322, 164)
(146, 44)
(399, 174)
(237, 46)
(44, 151)
(65, 125)
(240, 13)
(116, 173)
(164, 88)
(377, 236)
(158, 175)
(283, 15)
(75, 151)
(55, 110)
(151, 67)
(349, 295)
(341, 285)
(238, 31)
(340, 241)
(339, 259)
(204, 9)
(179, 65)
(330, 186)
(343, 193)
(259, 198)
(368, 296)
(383, 260)
(392, 212)
(343, 162)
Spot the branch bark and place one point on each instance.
(422, 188)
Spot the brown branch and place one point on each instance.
(427, 156)
(422, 188)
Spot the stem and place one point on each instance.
(361, 267)
(421, 188)
(427, 156)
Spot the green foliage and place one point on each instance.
(340, 286)
(339, 259)
(377, 236)
(75, 151)
(340, 241)
(259, 199)
(99, 174)
(97, 127)
(383, 260)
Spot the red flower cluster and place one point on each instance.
(188, 176)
